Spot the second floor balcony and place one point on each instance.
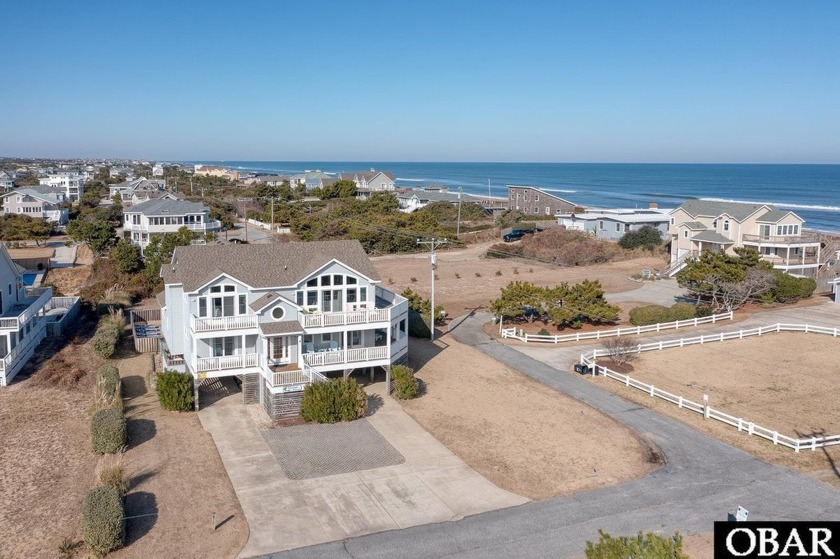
(20, 313)
(222, 323)
(805, 239)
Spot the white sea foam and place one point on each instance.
(780, 204)
(410, 180)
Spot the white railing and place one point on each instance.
(307, 375)
(62, 303)
(708, 412)
(208, 225)
(9, 362)
(679, 263)
(222, 323)
(203, 364)
(322, 320)
(346, 356)
(632, 331)
(44, 294)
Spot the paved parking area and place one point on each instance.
(308, 451)
(431, 485)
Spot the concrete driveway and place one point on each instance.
(432, 484)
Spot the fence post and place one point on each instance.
(813, 444)
(651, 391)
(679, 402)
(740, 421)
(750, 428)
(627, 380)
(705, 406)
(775, 437)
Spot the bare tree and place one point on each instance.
(622, 349)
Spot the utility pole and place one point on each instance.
(272, 213)
(458, 232)
(433, 244)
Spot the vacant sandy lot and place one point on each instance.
(479, 283)
(786, 382)
(518, 433)
(70, 281)
(177, 474)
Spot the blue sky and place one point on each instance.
(669, 81)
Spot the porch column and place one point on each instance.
(388, 379)
(787, 256)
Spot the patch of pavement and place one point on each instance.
(310, 451)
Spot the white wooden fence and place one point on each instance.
(599, 334)
(707, 411)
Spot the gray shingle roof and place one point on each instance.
(712, 237)
(282, 327)
(695, 225)
(51, 197)
(773, 216)
(165, 206)
(436, 196)
(264, 301)
(713, 208)
(262, 266)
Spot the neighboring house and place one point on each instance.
(271, 180)
(157, 170)
(777, 235)
(417, 198)
(163, 215)
(533, 201)
(73, 184)
(614, 223)
(138, 190)
(217, 171)
(835, 289)
(31, 202)
(310, 179)
(279, 316)
(372, 181)
(7, 180)
(120, 170)
(22, 320)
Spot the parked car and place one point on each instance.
(515, 235)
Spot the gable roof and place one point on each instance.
(166, 206)
(712, 237)
(542, 192)
(694, 225)
(282, 327)
(264, 301)
(262, 266)
(775, 216)
(52, 197)
(713, 208)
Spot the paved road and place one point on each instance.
(703, 480)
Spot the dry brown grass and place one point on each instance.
(520, 434)
(69, 281)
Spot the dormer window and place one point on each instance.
(726, 225)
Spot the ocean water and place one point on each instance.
(811, 191)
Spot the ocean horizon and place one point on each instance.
(812, 191)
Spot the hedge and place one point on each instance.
(417, 325)
(405, 386)
(107, 335)
(656, 314)
(108, 431)
(333, 401)
(103, 520)
(175, 391)
(108, 386)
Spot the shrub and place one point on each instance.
(655, 314)
(103, 522)
(622, 349)
(498, 272)
(108, 387)
(682, 311)
(107, 334)
(417, 325)
(543, 332)
(405, 386)
(643, 546)
(477, 275)
(108, 431)
(789, 289)
(413, 280)
(175, 391)
(647, 237)
(333, 400)
(702, 311)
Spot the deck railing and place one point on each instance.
(204, 364)
(323, 320)
(222, 323)
(341, 356)
(43, 296)
(804, 238)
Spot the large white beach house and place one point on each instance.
(703, 225)
(279, 316)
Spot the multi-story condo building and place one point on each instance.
(31, 202)
(615, 223)
(73, 184)
(777, 235)
(533, 201)
(216, 171)
(164, 215)
(279, 316)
